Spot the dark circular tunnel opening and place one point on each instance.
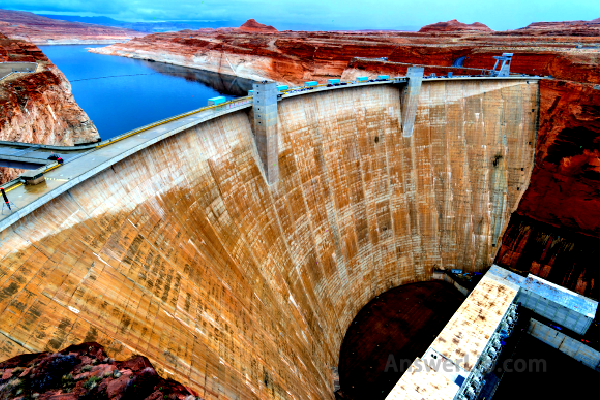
(388, 333)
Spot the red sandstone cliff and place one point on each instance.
(568, 64)
(561, 24)
(42, 30)
(84, 371)
(252, 26)
(38, 107)
(559, 29)
(453, 26)
(293, 57)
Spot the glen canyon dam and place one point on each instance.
(229, 250)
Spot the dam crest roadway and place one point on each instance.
(169, 242)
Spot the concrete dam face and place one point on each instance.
(183, 253)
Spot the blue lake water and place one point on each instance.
(120, 94)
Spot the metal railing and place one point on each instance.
(227, 105)
(19, 72)
(232, 104)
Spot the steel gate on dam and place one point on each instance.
(175, 242)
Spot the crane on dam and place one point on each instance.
(504, 67)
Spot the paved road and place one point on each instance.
(32, 156)
(77, 168)
(9, 67)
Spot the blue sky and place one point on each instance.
(326, 14)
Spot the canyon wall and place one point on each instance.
(42, 31)
(566, 66)
(182, 253)
(556, 231)
(38, 107)
(370, 67)
(286, 57)
(294, 57)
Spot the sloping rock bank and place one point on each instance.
(84, 371)
(41, 30)
(295, 56)
(38, 107)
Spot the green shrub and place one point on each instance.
(92, 382)
(86, 368)
(67, 381)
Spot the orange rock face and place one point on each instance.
(362, 67)
(453, 26)
(38, 107)
(42, 30)
(252, 26)
(563, 28)
(293, 57)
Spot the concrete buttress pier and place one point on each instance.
(410, 99)
(264, 103)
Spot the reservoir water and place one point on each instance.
(120, 94)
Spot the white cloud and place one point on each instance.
(332, 14)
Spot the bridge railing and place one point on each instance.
(34, 69)
(240, 101)
(232, 104)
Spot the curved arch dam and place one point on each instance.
(239, 289)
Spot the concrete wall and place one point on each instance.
(238, 289)
(442, 276)
(571, 347)
(551, 301)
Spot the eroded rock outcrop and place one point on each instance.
(293, 57)
(39, 107)
(84, 371)
(252, 26)
(455, 26)
(41, 30)
(562, 28)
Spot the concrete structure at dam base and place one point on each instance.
(457, 364)
(173, 242)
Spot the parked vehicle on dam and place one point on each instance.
(215, 101)
(56, 157)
